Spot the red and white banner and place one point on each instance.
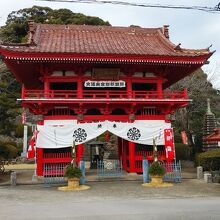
(31, 147)
(169, 144)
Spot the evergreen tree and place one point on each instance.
(9, 92)
(191, 118)
(16, 28)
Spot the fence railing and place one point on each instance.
(57, 155)
(53, 173)
(173, 171)
(109, 168)
(143, 153)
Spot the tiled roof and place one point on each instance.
(215, 136)
(83, 39)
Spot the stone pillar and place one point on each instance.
(13, 178)
(208, 177)
(145, 166)
(199, 172)
(83, 169)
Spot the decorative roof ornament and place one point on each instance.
(208, 48)
(31, 33)
(177, 47)
(166, 31)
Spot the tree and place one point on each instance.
(213, 73)
(9, 92)
(191, 118)
(16, 27)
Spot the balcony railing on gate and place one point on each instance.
(103, 94)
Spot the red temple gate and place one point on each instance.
(99, 73)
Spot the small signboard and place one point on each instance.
(103, 84)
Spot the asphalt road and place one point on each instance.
(187, 208)
(117, 200)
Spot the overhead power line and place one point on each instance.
(215, 9)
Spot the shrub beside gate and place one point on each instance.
(209, 160)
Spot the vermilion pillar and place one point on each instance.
(79, 152)
(160, 88)
(131, 147)
(39, 157)
(46, 88)
(129, 87)
(80, 86)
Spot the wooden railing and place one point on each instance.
(149, 153)
(64, 157)
(103, 94)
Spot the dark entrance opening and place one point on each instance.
(63, 85)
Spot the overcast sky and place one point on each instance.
(193, 29)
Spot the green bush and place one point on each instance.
(4, 152)
(13, 143)
(8, 151)
(19, 146)
(12, 151)
(72, 172)
(209, 160)
(183, 152)
(156, 169)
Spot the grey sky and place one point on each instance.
(193, 29)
